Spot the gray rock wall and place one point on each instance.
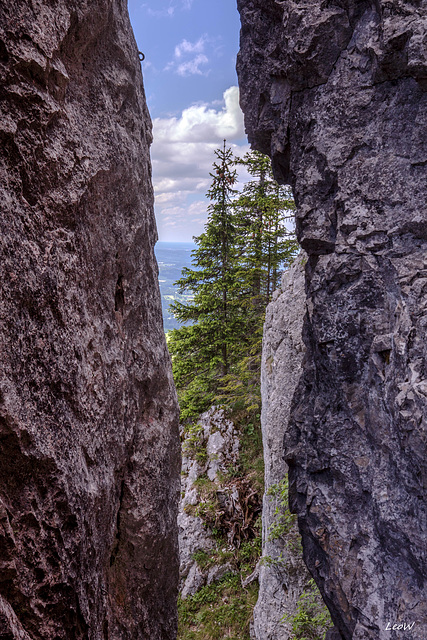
(89, 446)
(211, 447)
(282, 575)
(336, 94)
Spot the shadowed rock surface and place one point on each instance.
(89, 447)
(336, 94)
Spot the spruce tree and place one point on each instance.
(264, 214)
(235, 269)
(204, 351)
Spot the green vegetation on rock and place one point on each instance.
(284, 524)
(312, 619)
(217, 361)
(235, 268)
(219, 611)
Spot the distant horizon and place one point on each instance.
(175, 242)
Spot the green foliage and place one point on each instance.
(242, 386)
(235, 268)
(311, 620)
(251, 452)
(194, 443)
(264, 217)
(219, 611)
(249, 554)
(196, 386)
(284, 521)
(207, 510)
(204, 486)
(202, 558)
(205, 350)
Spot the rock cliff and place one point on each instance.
(336, 94)
(89, 443)
(283, 577)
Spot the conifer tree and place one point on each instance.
(205, 350)
(264, 214)
(235, 269)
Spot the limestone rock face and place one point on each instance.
(282, 574)
(209, 450)
(336, 94)
(89, 446)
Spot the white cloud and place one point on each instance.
(189, 57)
(182, 222)
(192, 67)
(190, 47)
(203, 123)
(182, 157)
(169, 11)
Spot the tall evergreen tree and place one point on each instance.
(205, 350)
(235, 269)
(264, 214)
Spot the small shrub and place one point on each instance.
(284, 521)
(311, 620)
(194, 443)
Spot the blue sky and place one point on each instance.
(190, 49)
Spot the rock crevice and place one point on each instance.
(283, 577)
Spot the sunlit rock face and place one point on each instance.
(89, 446)
(283, 577)
(336, 94)
(209, 450)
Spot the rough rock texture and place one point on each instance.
(89, 446)
(282, 574)
(210, 449)
(336, 94)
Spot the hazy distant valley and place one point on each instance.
(172, 257)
